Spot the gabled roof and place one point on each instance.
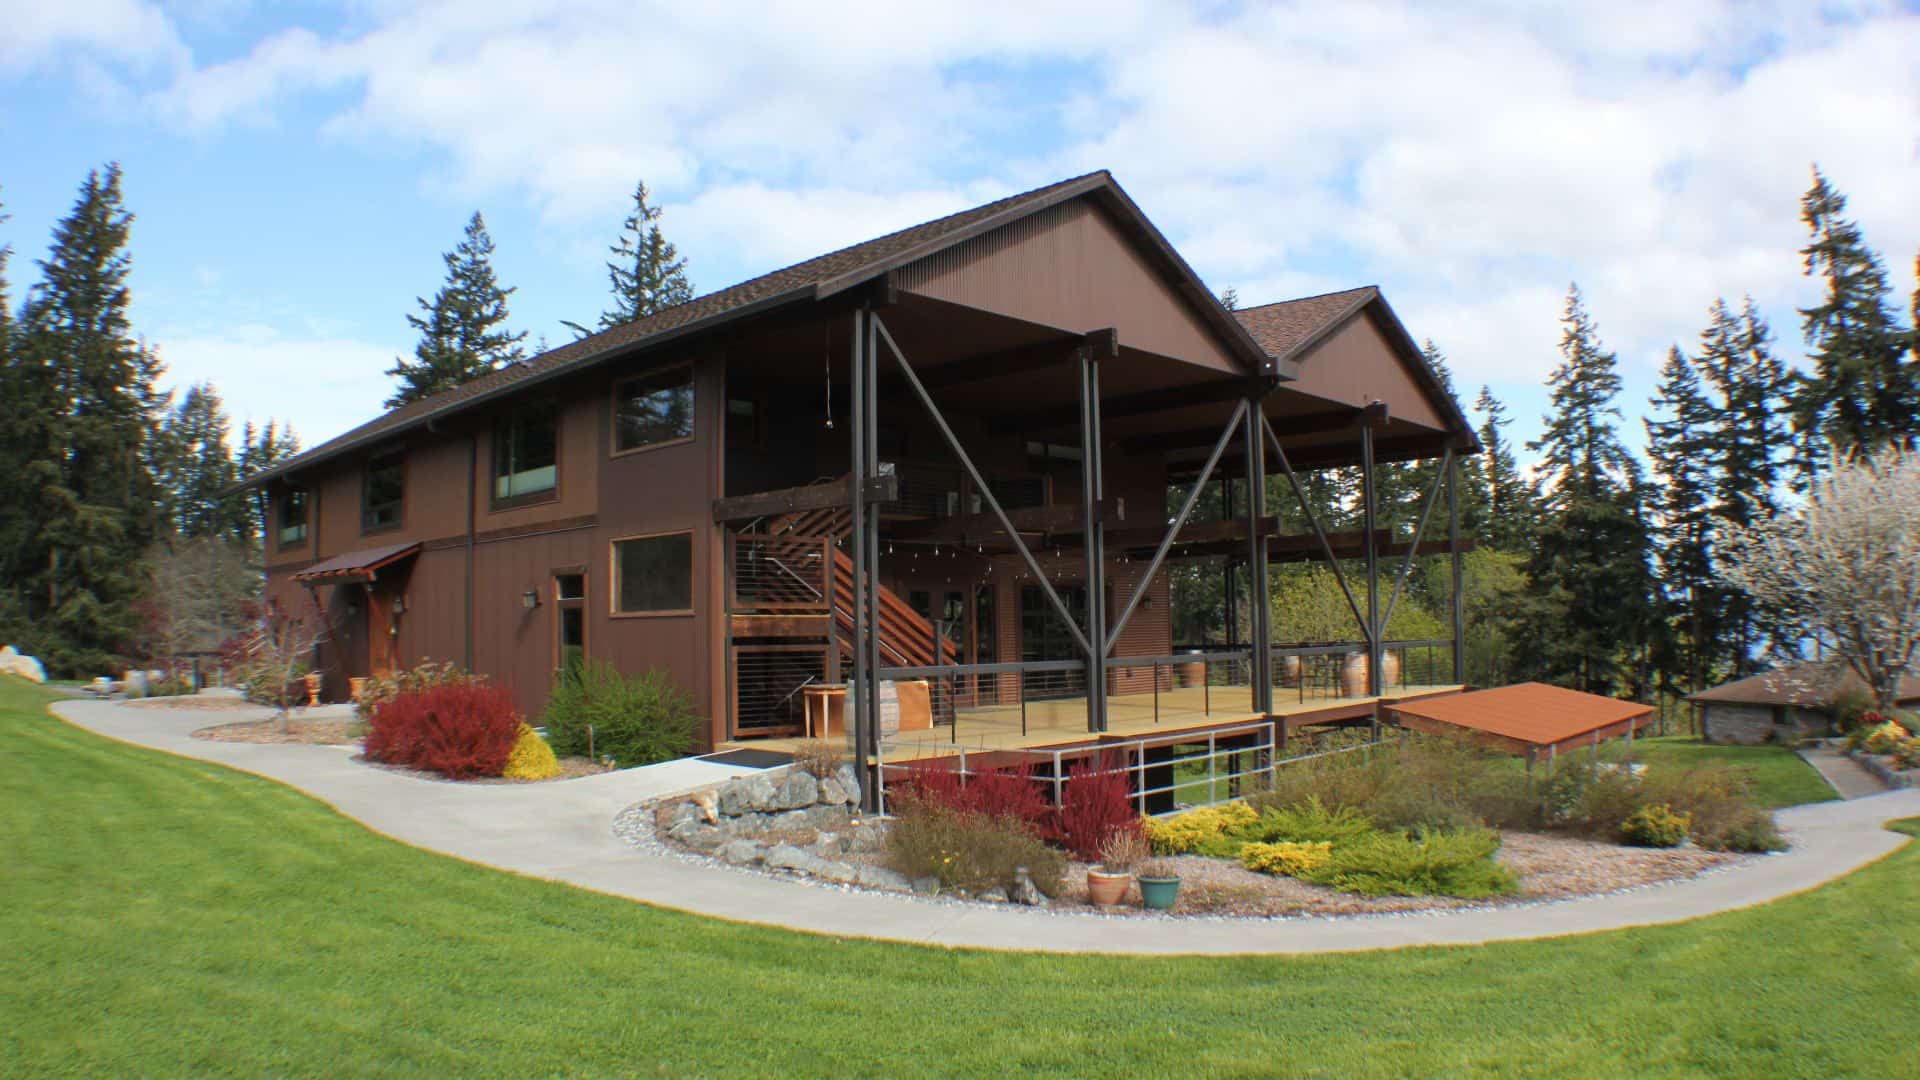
(814, 279)
(359, 565)
(1289, 329)
(1812, 684)
(1524, 716)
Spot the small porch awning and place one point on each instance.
(1528, 719)
(357, 565)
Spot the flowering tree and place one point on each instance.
(1848, 564)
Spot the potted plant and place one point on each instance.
(1120, 852)
(1159, 884)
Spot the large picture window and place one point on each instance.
(526, 453)
(383, 493)
(653, 409)
(291, 528)
(653, 575)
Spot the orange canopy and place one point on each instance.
(1525, 718)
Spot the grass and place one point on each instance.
(166, 916)
(1781, 777)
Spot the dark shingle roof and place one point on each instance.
(1812, 684)
(821, 276)
(1283, 328)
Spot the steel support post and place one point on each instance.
(1259, 596)
(1092, 492)
(1459, 586)
(870, 423)
(858, 716)
(1313, 520)
(1369, 523)
(1419, 532)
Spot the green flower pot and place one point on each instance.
(1158, 892)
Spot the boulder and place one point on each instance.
(878, 877)
(13, 662)
(829, 844)
(788, 857)
(995, 895)
(797, 789)
(679, 814)
(708, 804)
(746, 794)
(742, 852)
(864, 836)
(697, 835)
(926, 886)
(849, 781)
(833, 794)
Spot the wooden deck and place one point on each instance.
(1063, 721)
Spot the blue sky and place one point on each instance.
(298, 169)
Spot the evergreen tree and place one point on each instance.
(1861, 395)
(1680, 448)
(1509, 514)
(84, 414)
(261, 449)
(647, 273)
(196, 467)
(1589, 616)
(463, 332)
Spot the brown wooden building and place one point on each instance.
(1024, 394)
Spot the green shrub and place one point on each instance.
(1849, 707)
(1428, 863)
(1607, 799)
(964, 849)
(635, 721)
(1739, 828)
(1655, 827)
(1308, 823)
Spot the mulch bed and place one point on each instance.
(303, 732)
(571, 768)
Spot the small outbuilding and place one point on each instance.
(1789, 702)
(1531, 720)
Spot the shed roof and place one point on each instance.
(1525, 716)
(815, 279)
(1811, 684)
(360, 564)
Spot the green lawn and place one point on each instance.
(1781, 777)
(164, 916)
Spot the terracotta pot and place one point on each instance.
(356, 687)
(312, 682)
(1106, 889)
(1193, 674)
(1353, 677)
(1290, 671)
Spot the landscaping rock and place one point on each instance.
(708, 804)
(697, 834)
(833, 794)
(797, 789)
(926, 886)
(788, 857)
(994, 895)
(829, 844)
(742, 852)
(864, 836)
(877, 877)
(681, 813)
(849, 781)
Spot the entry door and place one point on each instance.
(382, 634)
(1044, 637)
(570, 620)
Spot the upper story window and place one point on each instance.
(290, 527)
(526, 452)
(381, 496)
(653, 409)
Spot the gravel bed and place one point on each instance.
(571, 768)
(1552, 868)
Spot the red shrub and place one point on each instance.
(997, 793)
(1095, 805)
(462, 730)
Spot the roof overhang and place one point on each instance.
(361, 566)
(1525, 719)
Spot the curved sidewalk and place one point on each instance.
(562, 831)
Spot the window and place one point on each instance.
(526, 452)
(380, 499)
(570, 620)
(291, 529)
(653, 575)
(743, 421)
(653, 410)
(986, 623)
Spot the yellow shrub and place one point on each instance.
(1182, 833)
(1885, 738)
(1289, 857)
(531, 759)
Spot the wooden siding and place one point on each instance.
(1069, 267)
(1356, 365)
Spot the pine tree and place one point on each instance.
(1680, 448)
(196, 467)
(261, 449)
(1589, 615)
(462, 330)
(1861, 395)
(1509, 514)
(85, 410)
(647, 273)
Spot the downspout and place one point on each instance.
(473, 480)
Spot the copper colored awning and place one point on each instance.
(1525, 718)
(357, 565)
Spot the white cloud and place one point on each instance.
(322, 386)
(131, 31)
(1472, 160)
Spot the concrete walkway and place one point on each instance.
(562, 831)
(1848, 777)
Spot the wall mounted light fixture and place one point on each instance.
(530, 599)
